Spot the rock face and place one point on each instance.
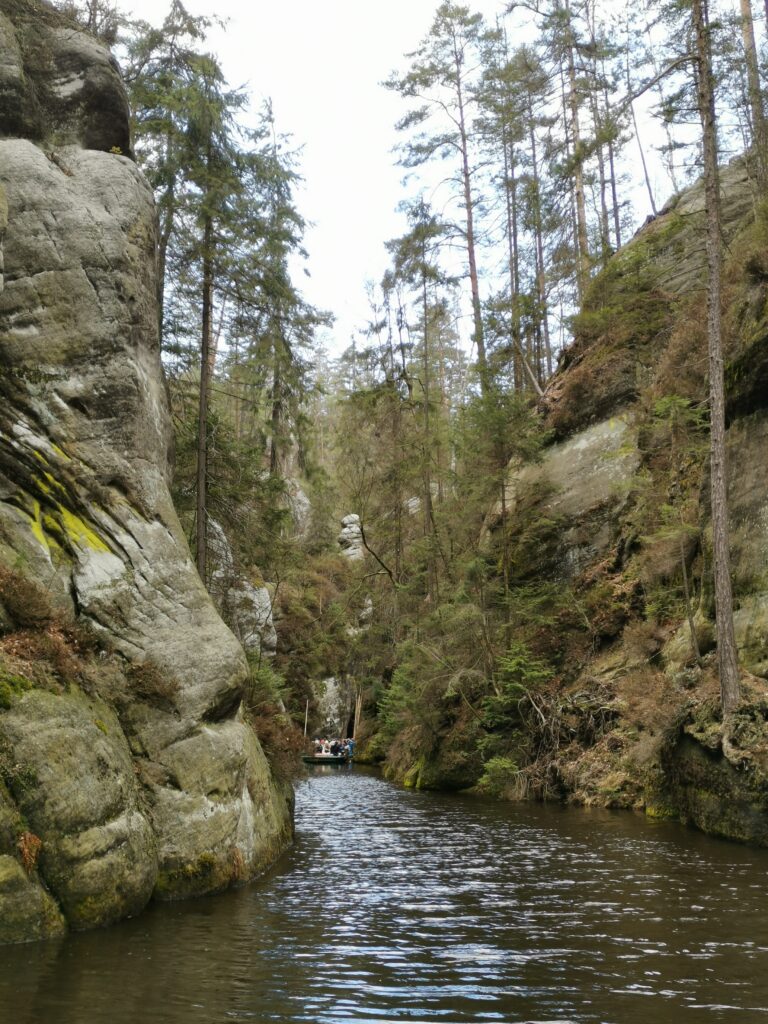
(605, 532)
(351, 538)
(58, 86)
(335, 705)
(580, 488)
(167, 790)
(247, 608)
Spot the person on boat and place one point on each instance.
(335, 748)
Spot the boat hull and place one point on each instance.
(325, 759)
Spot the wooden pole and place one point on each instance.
(358, 712)
(306, 716)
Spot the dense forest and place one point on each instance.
(450, 618)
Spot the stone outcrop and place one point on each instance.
(335, 705)
(604, 531)
(164, 791)
(246, 608)
(580, 488)
(351, 538)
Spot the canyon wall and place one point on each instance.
(126, 768)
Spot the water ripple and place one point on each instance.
(396, 906)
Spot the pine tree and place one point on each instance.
(441, 80)
(726, 641)
(416, 265)
(101, 18)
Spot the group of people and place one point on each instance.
(334, 748)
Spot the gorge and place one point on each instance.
(520, 601)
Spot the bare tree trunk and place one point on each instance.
(541, 280)
(571, 197)
(426, 467)
(474, 280)
(276, 415)
(726, 640)
(612, 162)
(201, 503)
(757, 110)
(166, 208)
(605, 234)
(510, 196)
(600, 139)
(582, 235)
(642, 160)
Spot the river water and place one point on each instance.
(398, 906)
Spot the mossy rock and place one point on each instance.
(27, 911)
(208, 873)
(706, 790)
(12, 687)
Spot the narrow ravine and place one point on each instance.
(407, 906)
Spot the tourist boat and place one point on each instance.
(325, 758)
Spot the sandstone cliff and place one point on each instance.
(126, 769)
(607, 530)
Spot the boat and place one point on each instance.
(325, 758)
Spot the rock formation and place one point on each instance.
(607, 522)
(351, 538)
(335, 706)
(246, 608)
(141, 779)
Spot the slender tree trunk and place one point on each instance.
(612, 159)
(642, 160)
(237, 406)
(474, 280)
(603, 127)
(401, 346)
(510, 196)
(756, 107)
(571, 196)
(726, 640)
(442, 414)
(276, 415)
(582, 235)
(202, 419)
(605, 234)
(426, 469)
(166, 209)
(538, 230)
(597, 120)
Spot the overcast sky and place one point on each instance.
(322, 64)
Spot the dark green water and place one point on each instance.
(402, 906)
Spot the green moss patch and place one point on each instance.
(12, 687)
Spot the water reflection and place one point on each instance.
(401, 906)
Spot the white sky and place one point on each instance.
(321, 63)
